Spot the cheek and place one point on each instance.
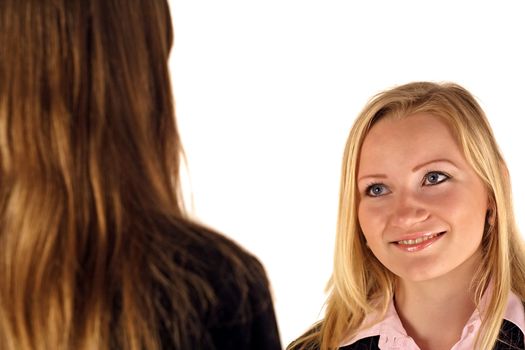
(372, 220)
(464, 208)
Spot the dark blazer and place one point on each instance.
(241, 316)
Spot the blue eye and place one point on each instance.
(376, 190)
(434, 177)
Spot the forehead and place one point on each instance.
(392, 142)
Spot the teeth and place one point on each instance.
(417, 240)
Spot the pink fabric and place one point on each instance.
(392, 334)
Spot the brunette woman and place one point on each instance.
(96, 250)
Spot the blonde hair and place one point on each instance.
(360, 284)
(94, 239)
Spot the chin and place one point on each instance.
(420, 271)
(419, 276)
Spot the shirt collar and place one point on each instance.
(392, 332)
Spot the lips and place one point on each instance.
(419, 239)
(418, 242)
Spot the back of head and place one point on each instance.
(89, 158)
(85, 86)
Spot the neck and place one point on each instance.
(424, 306)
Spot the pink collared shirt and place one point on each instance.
(392, 334)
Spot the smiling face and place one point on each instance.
(421, 205)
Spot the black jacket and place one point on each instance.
(241, 316)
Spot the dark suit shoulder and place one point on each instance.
(369, 343)
(510, 337)
(239, 314)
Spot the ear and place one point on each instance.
(490, 217)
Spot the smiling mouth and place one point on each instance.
(408, 242)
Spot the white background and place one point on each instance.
(266, 92)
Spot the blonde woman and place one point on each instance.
(96, 250)
(428, 255)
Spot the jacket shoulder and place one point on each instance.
(370, 343)
(510, 337)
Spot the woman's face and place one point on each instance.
(421, 205)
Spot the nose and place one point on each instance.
(408, 211)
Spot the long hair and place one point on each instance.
(360, 284)
(89, 160)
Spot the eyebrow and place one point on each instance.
(416, 168)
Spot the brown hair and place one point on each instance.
(89, 157)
